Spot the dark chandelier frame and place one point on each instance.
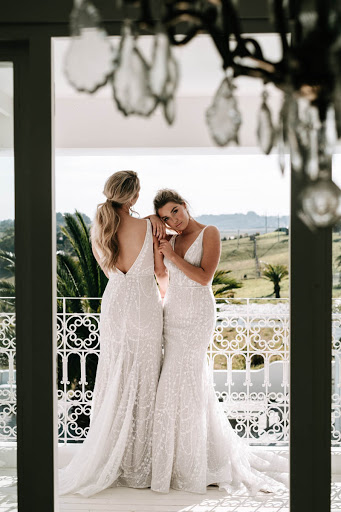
(305, 66)
(308, 74)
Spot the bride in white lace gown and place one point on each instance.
(194, 444)
(117, 449)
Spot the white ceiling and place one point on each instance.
(6, 78)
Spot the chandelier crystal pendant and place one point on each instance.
(308, 74)
(223, 116)
(265, 128)
(131, 77)
(89, 60)
(321, 202)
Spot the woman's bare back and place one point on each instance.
(131, 235)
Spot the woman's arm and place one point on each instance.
(160, 268)
(209, 261)
(158, 226)
(98, 259)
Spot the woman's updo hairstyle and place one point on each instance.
(167, 195)
(120, 189)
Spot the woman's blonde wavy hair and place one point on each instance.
(120, 189)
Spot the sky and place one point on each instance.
(211, 183)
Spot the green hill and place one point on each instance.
(238, 256)
(271, 248)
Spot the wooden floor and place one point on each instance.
(144, 500)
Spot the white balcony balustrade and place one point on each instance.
(248, 357)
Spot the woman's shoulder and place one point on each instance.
(211, 232)
(210, 228)
(139, 223)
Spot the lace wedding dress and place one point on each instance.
(117, 449)
(194, 444)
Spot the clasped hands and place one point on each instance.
(159, 230)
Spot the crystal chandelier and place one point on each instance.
(309, 75)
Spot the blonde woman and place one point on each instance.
(117, 450)
(194, 444)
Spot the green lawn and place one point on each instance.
(271, 248)
(239, 258)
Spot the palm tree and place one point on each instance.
(79, 276)
(275, 274)
(338, 264)
(228, 283)
(7, 288)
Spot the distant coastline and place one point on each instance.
(228, 223)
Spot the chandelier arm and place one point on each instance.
(172, 17)
(242, 50)
(322, 11)
(281, 26)
(266, 76)
(218, 38)
(177, 16)
(231, 21)
(181, 42)
(146, 17)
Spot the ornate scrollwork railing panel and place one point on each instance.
(8, 392)
(249, 355)
(77, 353)
(336, 373)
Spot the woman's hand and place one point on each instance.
(166, 249)
(158, 226)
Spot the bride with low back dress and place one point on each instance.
(194, 444)
(118, 447)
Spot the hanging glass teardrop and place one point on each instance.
(168, 99)
(223, 116)
(329, 135)
(321, 202)
(169, 110)
(131, 78)
(337, 105)
(89, 60)
(281, 147)
(265, 129)
(282, 140)
(159, 70)
(296, 157)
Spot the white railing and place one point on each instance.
(249, 357)
(8, 394)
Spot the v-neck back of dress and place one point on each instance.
(140, 253)
(144, 262)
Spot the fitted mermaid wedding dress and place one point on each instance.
(194, 444)
(117, 449)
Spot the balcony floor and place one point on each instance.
(144, 500)
(135, 500)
